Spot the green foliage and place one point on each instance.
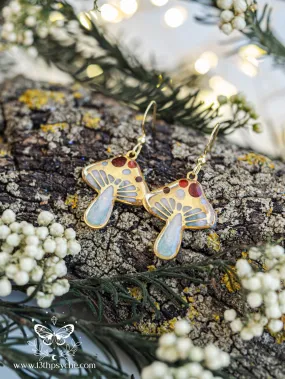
(95, 297)
(124, 77)
(258, 31)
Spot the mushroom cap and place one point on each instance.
(183, 196)
(123, 174)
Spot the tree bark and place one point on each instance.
(51, 132)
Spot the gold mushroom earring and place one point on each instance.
(182, 205)
(116, 179)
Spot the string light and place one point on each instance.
(110, 13)
(205, 62)
(249, 59)
(129, 7)
(159, 3)
(56, 16)
(175, 17)
(222, 87)
(248, 68)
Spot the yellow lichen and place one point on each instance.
(213, 241)
(139, 117)
(151, 268)
(257, 159)
(192, 313)
(72, 200)
(135, 292)
(91, 121)
(37, 98)
(109, 150)
(54, 127)
(4, 153)
(269, 212)
(216, 317)
(230, 281)
(148, 328)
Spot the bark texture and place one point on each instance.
(49, 133)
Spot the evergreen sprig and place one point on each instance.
(258, 31)
(18, 319)
(125, 78)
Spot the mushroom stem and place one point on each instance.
(169, 240)
(99, 211)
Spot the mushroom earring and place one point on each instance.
(116, 179)
(182, 205)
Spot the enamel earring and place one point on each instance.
(182, 205)
(116, 179)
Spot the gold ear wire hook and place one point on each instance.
(141, 140)
(202, 159)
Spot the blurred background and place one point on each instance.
(166, 32)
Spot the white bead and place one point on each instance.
(58, 289)
(11, 270)
(61, 247)
(227, 16)
(4, 232)
(30, 21)
(8, 216)
(27, 264)
(277, 251)
(253, 284)
(206, 375)
(4, 258)
(45, 301)
(257, 330)
(273, 311)
(226, 28)
(182, 373)
(246, 334)
(254, 299)
(196, 354)
(15, 6)
(254, 253)
(37, 274)
(56, 229)
(42, 232)
(211, 352)
(15, 227)
(225, 4)
(230, 314)
(60, 269)
(194, 369)
(224, 359)
(269, 282)
(30, 290)
(40, 253)
(243, 268)
(236, 325)
(182, 328)
(70, 234)
(31, 251)
(73, 247)
(275, 326)
(42, 32)
(183, 345)
(32, 240)
(45, 218)
(5, 287)
(167, 339)
(159, 369)
(240, 6)
(238, 23)
(28, 230)
(270, 298)
(49, 245)
(21, 278)
(13, 240)
(7, 248)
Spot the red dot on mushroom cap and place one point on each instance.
(166, 189)
(195, 190)
(119, 161)
(138, 179)
(132, 164)
(183, 183)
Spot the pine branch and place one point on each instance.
(123, 76)
(258, 31)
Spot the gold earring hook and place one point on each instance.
(141, 140)
(202, 159)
